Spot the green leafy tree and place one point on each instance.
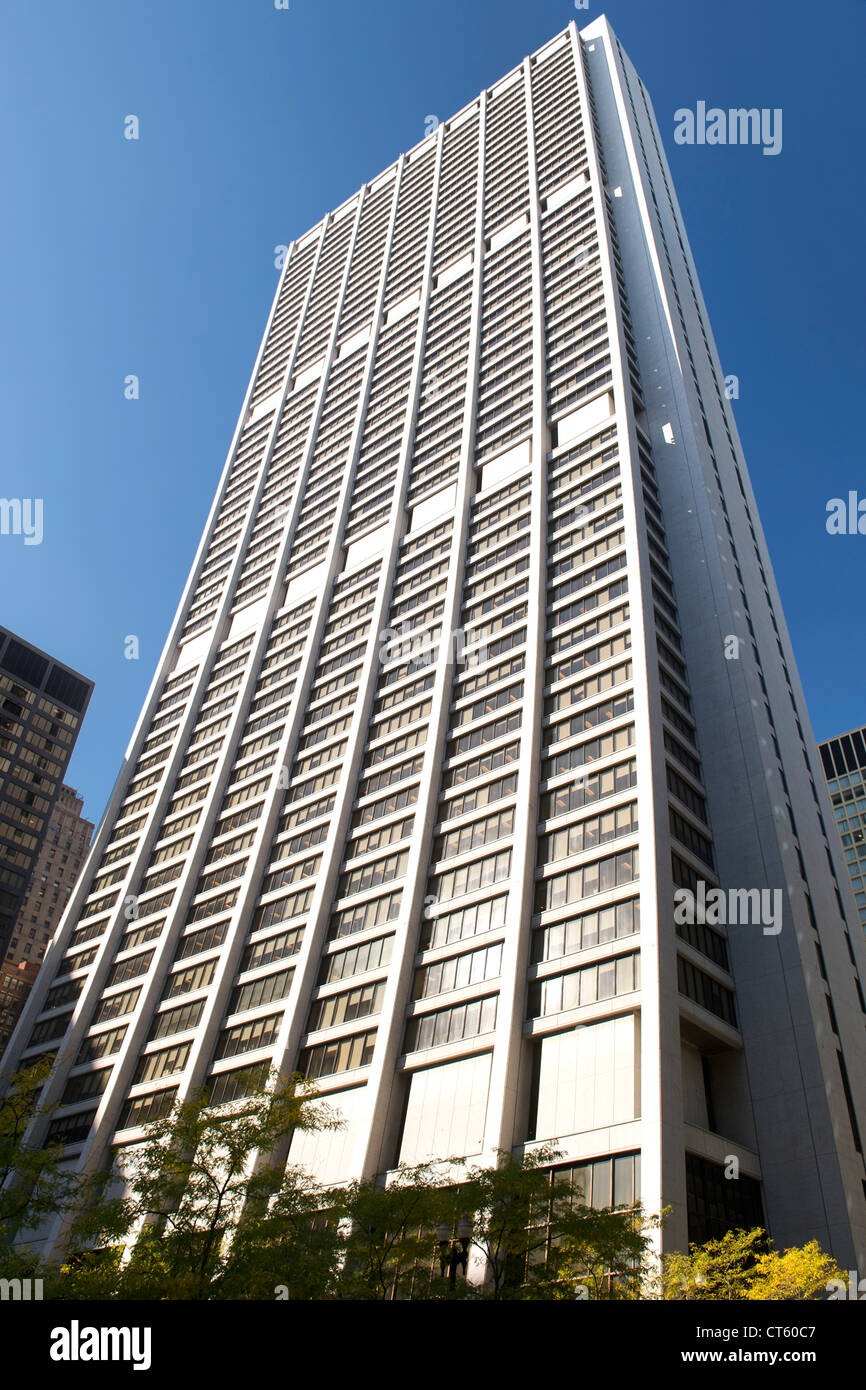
(189, 1185)
(390, 1241)
(33, 1185)
(599, 1254)
(208, 1213)
(290, 1249)
(539, 1240)
(511, 1204)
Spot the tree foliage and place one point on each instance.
(741, 1265)
(389, 1234)
(189, 1188)
(717, 1270)
(209, 1210)
(800, 1272)
(33, 1185)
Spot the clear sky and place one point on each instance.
(156, 257)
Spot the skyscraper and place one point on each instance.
(16, 982)
(42, 704)
(480, 662)
(844, 759)
(56, 867)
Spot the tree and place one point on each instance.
(390, 1241)
(600, 1254)
(511, 1202)
(800, 1272)
(742, 1266)
(539, 1240)
(33, 1185)
(210, 1214)
(190, 1186)
(717, 1270)
(291, 1249)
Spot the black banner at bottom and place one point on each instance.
(59, 1339)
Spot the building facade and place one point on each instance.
(57, 865)
(42, 704)
(844, 759)
(481, 661)
(16, 981)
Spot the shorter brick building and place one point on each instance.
(16, 982)
(58, 864)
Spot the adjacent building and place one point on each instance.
(42, 704)
(16, 981)
(844, 760)
(475, 780)
(56, 867)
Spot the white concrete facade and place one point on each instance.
(445, 716)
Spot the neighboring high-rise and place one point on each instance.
(844, 760)
(42, 704)
(57, 866)
(16, 981)
(55, 870)
(480, 660)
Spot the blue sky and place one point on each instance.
(156, 257)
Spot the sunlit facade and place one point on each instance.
(451, 708)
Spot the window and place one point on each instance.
(101, 1044)
(479, 832)
(144, 1109)
(588, 834)
(130, 968)
(91, 1083)
(246, 1037)
(584, 882)
(352, 1004)
(155, 1065)
(588, 930)
(343, 1055)
(195, 977)
(117, 1005)
(357, 960)
(707, 992)
(465, 922)
(285, 943)
(70, 1129)
(451, 1025)
(176, 1020)
(281, 910)
(715, 1205)
(592, 787)
(372, 875)
(261, 991)
(458, 971)
(195, 942)
(368, 914)
(470, 877)
(50, 1029)
(590, 985)
(63, 994)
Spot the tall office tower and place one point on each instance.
(55, 870)
(479, 660)
(844, 760)
(42, 704)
